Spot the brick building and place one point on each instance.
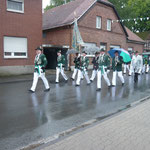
(146, 37)
(95, 22)
(20, 34)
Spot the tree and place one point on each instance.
(141, 10)
(133, 9)
(55, 3)
(124, 11)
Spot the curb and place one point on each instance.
(82, 126)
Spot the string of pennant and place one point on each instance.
(134, 19)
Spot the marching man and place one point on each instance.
(84, 62)
(132, 65)
(117, 68)
(60, 66)
(138, 65)
(77, 65)
(95, 66)
(39, 71)
(103, 63)
(148, 64)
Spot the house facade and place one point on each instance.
(97, 24)
(20, 34)
(146, 37)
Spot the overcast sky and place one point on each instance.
(45, 3)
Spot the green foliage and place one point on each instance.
(130, 9)
(55, 3)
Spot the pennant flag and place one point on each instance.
(77, 39)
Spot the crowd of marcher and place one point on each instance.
(102, 64)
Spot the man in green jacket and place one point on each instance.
(60, 66)
(84, 62)
(39, 71)
(117, 68)
(103, 64)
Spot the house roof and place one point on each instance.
(64, 14)
(132, 36)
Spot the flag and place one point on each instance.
(77, 39)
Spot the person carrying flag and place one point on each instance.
(39, 71)
(95, 66)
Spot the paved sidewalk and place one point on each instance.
(129, 130)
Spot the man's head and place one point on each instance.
(77, 54)
(116, 53)
(102, 51)
(136, 53)
(59, 52)
(84, 53)
(38, 50)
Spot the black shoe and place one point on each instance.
(109, 86)
(129, 75)
(81, 78)
(112, 85)
(31, 91)
(56, 82)
(91, 80)
(99, 89)
(77, 85)
(122, 84)
(72, 79)
(88, 83)
(66, 80)
(46, 90)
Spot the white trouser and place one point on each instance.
(94, 73)
(126, 66)
(147, 68)
(80, 75)
(99, 79)
(35, 80)
(140, 70)
(131, 70)
(74, 73)
(119, 75)
(144, 68)
(58, 70)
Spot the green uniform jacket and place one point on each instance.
(40, 63)
(61, 61)
(145, 60)
(84, 62)
(105, 61)
(77, 62)
(117, 66)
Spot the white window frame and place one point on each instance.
(13, 10)
(98, 22)
(115, 46)
(103, 46)
(130, 49)
(13, 52)
(109, 24)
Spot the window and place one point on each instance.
(103, 46)
(108, 25)
(98, 22)
(130, 49)
(15, 47)
(114, 46)
(15, 6)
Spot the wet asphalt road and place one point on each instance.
(25, 117)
